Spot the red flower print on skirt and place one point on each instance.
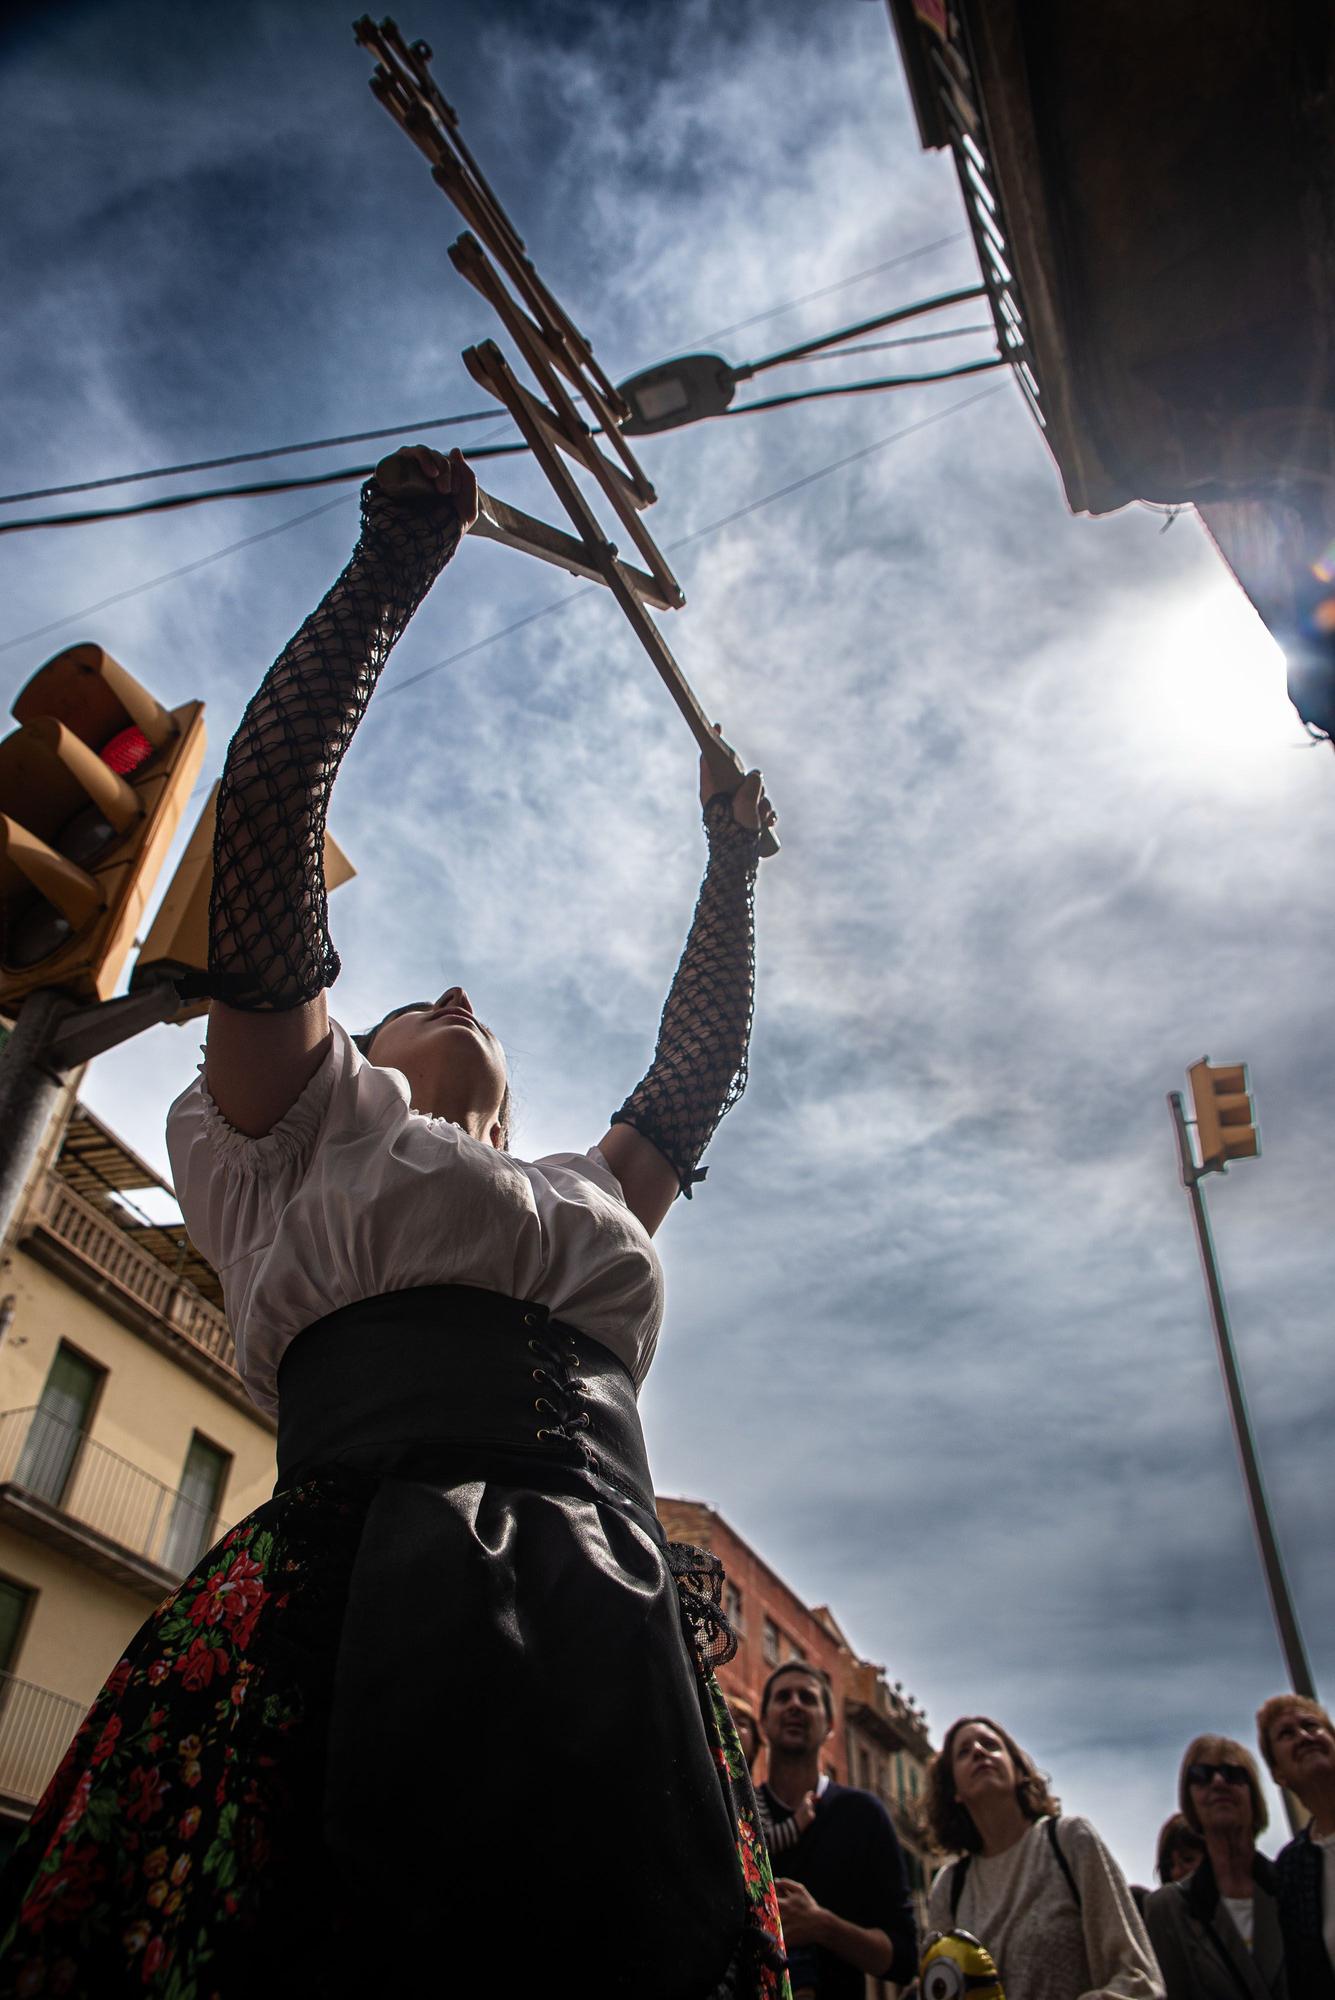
(178, 1847)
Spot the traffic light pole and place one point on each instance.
(1281, 1601)
(29, 1087)
(53, 1034)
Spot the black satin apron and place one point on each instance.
(517, 1768)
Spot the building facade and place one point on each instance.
(880, 1738)
(127, 1443)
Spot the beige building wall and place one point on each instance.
(80, 1623)
(149, 1406)
(97, 1545)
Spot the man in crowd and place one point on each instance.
(843, 1887)
(1298, 1743)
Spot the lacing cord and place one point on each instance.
(697, 1574)
(562, 1400)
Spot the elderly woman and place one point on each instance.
(1297, 1740)
(1040, 1891)
(1217, 1933)
(440, 1716)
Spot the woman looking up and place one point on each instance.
(441, 1712)
(1217, 1933)
(1040, 1891)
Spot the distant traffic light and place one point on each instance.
(179, 939)
(92, 786)
(1225, 1120)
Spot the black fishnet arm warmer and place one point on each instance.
(699, 1066)
(269, 945)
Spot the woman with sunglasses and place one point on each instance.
(1217, 1933)
(446, 1699)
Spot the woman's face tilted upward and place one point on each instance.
(982, 1765)
(454, 1064)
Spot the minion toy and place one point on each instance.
(954, 1966)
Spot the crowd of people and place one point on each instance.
(1037, 1889)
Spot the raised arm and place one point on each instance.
(270, 954)
(699, 1066)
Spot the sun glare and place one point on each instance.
(1206, 695)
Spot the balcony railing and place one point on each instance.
(120, 1263)
(47, 1460)
(35, 1727)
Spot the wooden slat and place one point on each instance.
(490, 370)
(499, 522)
(628, 490)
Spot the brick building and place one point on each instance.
(879, 1740)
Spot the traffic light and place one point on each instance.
(179, 938)
(92, 786)
(1225, 1120)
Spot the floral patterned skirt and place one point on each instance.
(537, 1838)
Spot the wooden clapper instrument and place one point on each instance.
(491, 256)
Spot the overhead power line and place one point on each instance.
(542, 611)
(166, 503)
(244, 457)
(867, 388)
(696, 535)
(805, 349)
(170, 576)
(435, 423)
(169, 502)
(901, 340)
(840, 284)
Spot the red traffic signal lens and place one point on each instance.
(127, 750)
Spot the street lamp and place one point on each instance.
(678, 392)
(695, 386)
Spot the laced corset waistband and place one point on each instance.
(450, 1382)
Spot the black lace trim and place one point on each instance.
(269, 944)
(699, 1068)
(699, 1578)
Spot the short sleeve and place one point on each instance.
(232, 1188)
(591, 1166)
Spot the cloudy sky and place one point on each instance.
(936, 1340)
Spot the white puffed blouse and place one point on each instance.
(354, 1194)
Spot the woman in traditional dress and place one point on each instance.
(440, 1716)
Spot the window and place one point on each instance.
(913, 1781)
(864, 1770)
(795, 1651)
(195, 1509)
(14, 1606)
(769, 1643)
(58, 1425)
(732, 1608)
